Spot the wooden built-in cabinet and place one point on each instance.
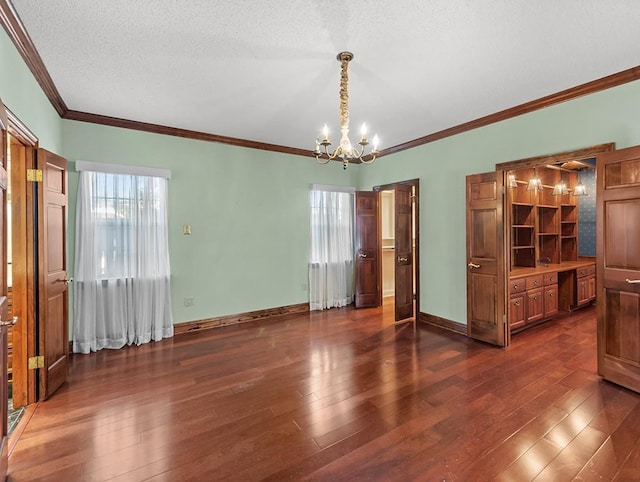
(518, 236)
(546, 275)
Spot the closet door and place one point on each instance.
(367, 247)
(404, 251)
(618, 266)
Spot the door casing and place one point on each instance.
(24, 143)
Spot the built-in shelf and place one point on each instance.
(543, 226)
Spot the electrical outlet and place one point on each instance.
(188, 302)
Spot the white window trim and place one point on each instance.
(122, 169)
(329, 188)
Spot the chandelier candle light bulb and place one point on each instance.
(345, 151)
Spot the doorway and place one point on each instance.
(21, 266)
(399, 248)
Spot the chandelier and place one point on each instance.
(345, 150)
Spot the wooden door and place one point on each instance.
(52, 278)
(4, 389)
(618, 266)
(367, 247)
(485, 265)
(403, 251)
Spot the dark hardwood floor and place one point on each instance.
(338, 395)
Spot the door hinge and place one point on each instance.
(36, 362)
(34, 175)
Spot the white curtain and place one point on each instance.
(331, 268)
(121, 292)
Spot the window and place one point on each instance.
(122, 274)
(331, 269)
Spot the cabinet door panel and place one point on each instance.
(535, 305)
(516, 311)
(550, 300)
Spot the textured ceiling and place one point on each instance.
(266, 71)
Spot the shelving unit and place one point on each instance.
(569, 232)
(543, 226)
(522, 235)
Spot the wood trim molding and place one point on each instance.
(594, 86)
(20, 131)
(18, 34)
(209, 323)
(4, 119)
(176, 132)
(443, 323)
(577, 155)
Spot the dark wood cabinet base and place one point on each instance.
(537, 295)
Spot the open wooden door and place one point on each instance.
(53, 323)
(485, 255)
(367, 250)
(404, 251)
(618, 266)
(4, 389)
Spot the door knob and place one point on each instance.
(473, 265)
(11, 322)
(632, 281)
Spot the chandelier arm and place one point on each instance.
(322, 160)
(370, 161)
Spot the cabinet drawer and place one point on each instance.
(550, 279)
(517, 285)
(586, 271)
(533, 282)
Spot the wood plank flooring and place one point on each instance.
(338, 395)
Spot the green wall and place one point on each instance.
(608, 116)
(22, 95)
(248, 211)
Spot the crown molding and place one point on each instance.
(592, 87)
(174, 131)
(20, 38)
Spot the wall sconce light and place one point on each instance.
(560, 189)
(512, 183)
(535, 184)
(580, 189)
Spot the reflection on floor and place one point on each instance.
(14, 416)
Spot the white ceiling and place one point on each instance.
(266, 70)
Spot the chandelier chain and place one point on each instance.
(344, 92)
